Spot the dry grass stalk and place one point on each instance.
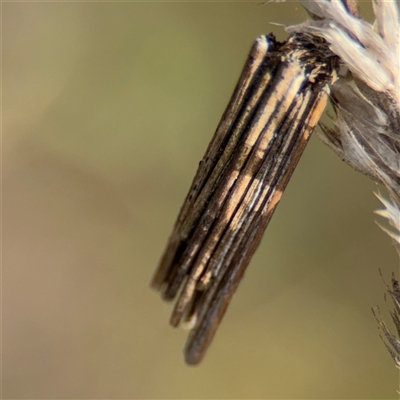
(366, 101)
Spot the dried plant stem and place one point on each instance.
(366, 101)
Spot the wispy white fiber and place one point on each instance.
(371, 51)
(392, 214)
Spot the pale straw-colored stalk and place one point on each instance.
(366, 101)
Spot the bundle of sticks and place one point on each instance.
(278, 100)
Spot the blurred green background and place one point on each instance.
(107, 109)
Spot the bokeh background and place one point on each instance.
(107, 109)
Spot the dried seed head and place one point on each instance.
(366, 97)
(392, 342)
